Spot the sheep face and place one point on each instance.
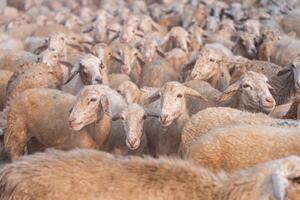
(130, 91)
(57, 42)
(295, 65)
(248, 42)
(127, 55)
(172, 101)
(206, 66)
(128, 33)
(133, 120)
(253, 91)
(285, 178)
(103, 52)
(150, 48)
(91, 70)
(89, 106)
(49, 57)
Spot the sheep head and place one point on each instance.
(285, 178)
(172, 101)
(248, 41)
(133, 118)
(207, 65)
(127, 55)
(57, 42)
(129, 32)
(253, 91)
(91, 70)
(130, 91)
(90, 105)
(150, 48)
(294, 69)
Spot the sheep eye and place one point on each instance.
(62, 38)
(293, 66)
(119, 91)
(179, 95)
(296, 180)
(144, 117)
(93, 99)
(212, 60)
(247, 86)
(122, 118)
(55, 56)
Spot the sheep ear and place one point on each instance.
(155, 25)
(104, 105)
(229, 92)
(189, 66)
(150, 113)
(160, 52)
(139, 56)
(153, 97)
(117, 57)
(116, 118)
(191, 92)
(40, 49)
(67, 64)
(139, 33)
(72, 75)
(165, 39)
(285, 70)
(279, 185)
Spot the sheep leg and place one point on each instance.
(15, 139)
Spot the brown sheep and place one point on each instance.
(4, 78)
(103, 176)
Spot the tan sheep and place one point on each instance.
(49, 73)
(133, 94)
(177, 35)
(208, 67)
(239, 147)
(103, 176)
(89, 71)
(163, 135)
(12, 61)
(4, 78)
(90, 119)
(211, 118)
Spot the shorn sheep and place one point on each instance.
(239, 147)
(90, 174)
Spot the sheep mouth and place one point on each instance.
(166, 123)
(75, 126)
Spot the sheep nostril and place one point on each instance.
(98, 80)
(269, 99)
(71, 120)
(163, 118)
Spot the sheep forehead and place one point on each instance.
(90, 61)
(88, 91)
(253, 77)
(134, 110)
(171, 87)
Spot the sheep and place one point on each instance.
(133, 94)
(208, 68)
(133, 142)
(10, 60)
(176, 37)
(293, 111)
(245, 46)
(101, 175)
(151, 50)
(90, 118)
(163, 135)
(279, 50)
(210, 118)
(49, 72)
(290, 23)
(4, 77)
(240, 147)
(130, 59)
(89, 71)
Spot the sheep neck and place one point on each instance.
(283, 88)
(99, 131)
